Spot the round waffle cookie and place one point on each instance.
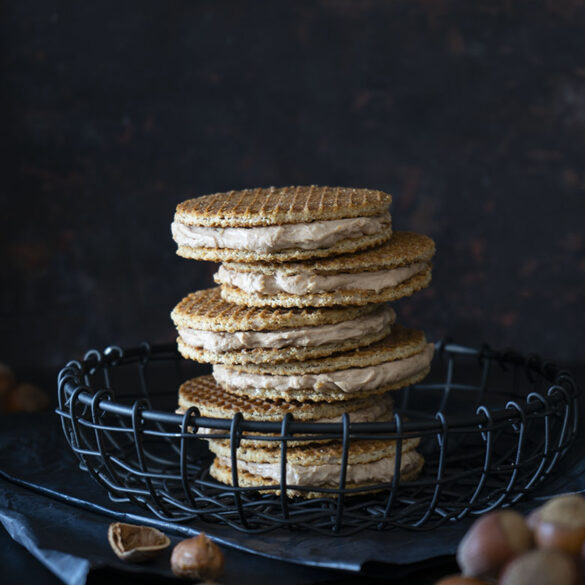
(396, 269)
(400, 359)
(212, 401)
(370, 462)
(281, 224)
(212, 330)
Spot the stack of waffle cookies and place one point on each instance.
(300, 324)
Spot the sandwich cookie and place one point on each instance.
(400, 359)
(213, 402)
(394, 270)
(276, 224)
(212, 330)
(313, 466)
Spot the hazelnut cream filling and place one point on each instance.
(307, 236)
(381, 470)
(306, 283)
(220, 341)
(349, 380)
(362, 415)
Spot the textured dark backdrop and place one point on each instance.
(472, 114)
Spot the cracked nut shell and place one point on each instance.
(136, 544)
(197, 558)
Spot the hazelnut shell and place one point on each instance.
(136, 544)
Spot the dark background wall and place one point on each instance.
(472, 114)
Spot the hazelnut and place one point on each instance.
(542, 567)
(460, 580)
(197, 558)
(560, 523)
(492, 542)
(136, 543)
(27, 398)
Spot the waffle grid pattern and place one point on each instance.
(212, 400)
(206, 309)
(279, 205)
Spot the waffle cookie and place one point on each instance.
(276, 224)
(388, 272)
(212, 330)
(318, 465)
(212, 401)
(400, 359)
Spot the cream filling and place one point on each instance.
(369, 414)
(350, 380)
(308, 282)
(220, 341)
(307, 236)
(381, 470)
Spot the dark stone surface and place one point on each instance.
(471, 113)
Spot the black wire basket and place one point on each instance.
(492, 426)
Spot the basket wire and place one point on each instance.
(492, 425)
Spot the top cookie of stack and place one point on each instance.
(281, 224)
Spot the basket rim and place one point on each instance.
(70, 381)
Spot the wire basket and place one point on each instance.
(492, 426)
